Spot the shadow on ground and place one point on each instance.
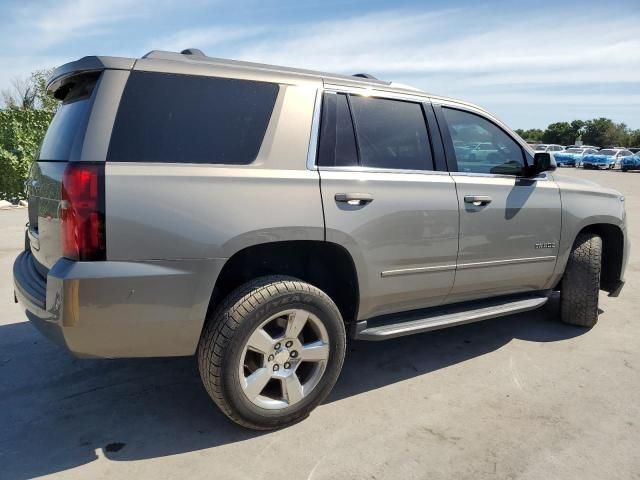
(57, 412)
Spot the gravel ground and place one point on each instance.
(516, 397)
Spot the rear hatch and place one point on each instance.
(62, 144)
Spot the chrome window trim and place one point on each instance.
(315, 132)
(381, 170)
(542, 176)
(362, 91)
(376, 93)
(487, 116)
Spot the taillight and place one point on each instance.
(82, 212)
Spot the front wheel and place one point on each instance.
(580, 285)
(272, 352)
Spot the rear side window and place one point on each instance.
(65, 135)
(191, 119)
(337, 146)
(391, 134)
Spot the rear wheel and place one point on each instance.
(272, 352)
(581, 282)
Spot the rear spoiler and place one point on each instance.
(86, 65)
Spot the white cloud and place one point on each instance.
(497, 58)
(204, 38)
(478, 55)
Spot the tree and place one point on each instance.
(634, 138)
(559, 132)
(531, 135)
(23, 123)
(603, 132)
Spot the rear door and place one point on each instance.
(385, 202)
(509, 224)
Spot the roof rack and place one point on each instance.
(196, 55)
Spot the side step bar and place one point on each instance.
(398, 325)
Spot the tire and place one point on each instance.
(624, 169)
(581, 282)
(226, 357)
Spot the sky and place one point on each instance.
(530, 63)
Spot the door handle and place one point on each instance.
(477, 200)
(354, 198)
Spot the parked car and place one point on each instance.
(544, 147)
(605, 158)
(475, 151)
(572, 157)
(630, 162)
(581, 146)
(259, 216)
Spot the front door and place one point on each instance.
(509, 225)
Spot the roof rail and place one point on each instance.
(193, 51)
(364, 75)
(195, 55)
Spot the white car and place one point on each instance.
(547, 147)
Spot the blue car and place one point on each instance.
(606, 158)
(572, 157)
(630, 163)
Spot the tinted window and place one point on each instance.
(337, 146)
(391, 134)
(505, 155)
(65, 135)
(190, 119)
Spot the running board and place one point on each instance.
(398, 325)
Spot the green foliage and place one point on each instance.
(531, 135)
(21, 132)
(560, 132)
(634, 138)
(601, 132)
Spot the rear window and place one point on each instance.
(65, 135)
(190, 119)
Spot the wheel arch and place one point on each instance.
(612, 253)
(613, 249)
(326, 265)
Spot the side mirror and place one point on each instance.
(542, 162)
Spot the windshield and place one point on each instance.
(575, 150)
(607, 152)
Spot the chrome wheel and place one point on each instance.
(284, 359)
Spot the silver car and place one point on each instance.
(259, 216)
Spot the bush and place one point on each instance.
(23, 123)
(21, 133)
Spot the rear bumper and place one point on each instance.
(118, 309)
